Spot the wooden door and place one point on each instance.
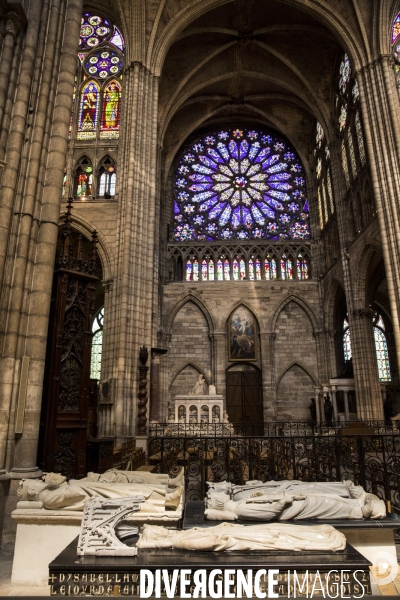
(244, 400)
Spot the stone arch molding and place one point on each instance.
(197, 302)
(330, 298)
(237, 304)
(182, 367)
(297, 363)
(86, 229)
(370, 246)
(302, 304)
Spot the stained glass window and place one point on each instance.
(220, 270)
(89, 108)
(103, 63)
(330, 191)
(360, 139)
(302, 267)
(97, 345)
(211, 270)
(319, 136)
(353, 163)
(107, 179)
(345, 165)
(320, 210)
(94, 31)
(117, 39)
(396, 29)
(240, 184)
(343, 117)
(258, 269)
(227, 270)
(101, 56)
(382, 354)
(325, 203)
(235, 269)
(204, 270)
(286, 267)
(270, 268)
(64, 186)
(84, 179)
(189, 270)
(344, 74)
(346, 341)
(111, 110)
(251, 269)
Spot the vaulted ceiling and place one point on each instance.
(248, 62)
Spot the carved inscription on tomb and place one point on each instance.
(337, 583)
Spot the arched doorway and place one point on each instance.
(244, 398)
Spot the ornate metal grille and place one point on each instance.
(371, 461)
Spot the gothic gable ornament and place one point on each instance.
(102, 518)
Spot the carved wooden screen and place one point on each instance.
(64, 425)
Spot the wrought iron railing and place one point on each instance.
(274, 429)
(372, 461)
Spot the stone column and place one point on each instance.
(220, 346)
(380, 115)
(45, 244)
(346, 405)
(156, 354)
(267, 341)
(318, 405)
(12, 27)
(334, 404)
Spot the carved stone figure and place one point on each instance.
(292, 501)
(198, 388)
(56, 494)
(328, 409)
(313, 411)
(212, 390)
(229, 536)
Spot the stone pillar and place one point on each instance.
(267, 341)
(334, 404)
(346, 405)
(156, 354)
(12, 27)
(45, 244)
(380, 115)
(220, 346)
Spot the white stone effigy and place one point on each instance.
(50, 511)
(291, 500)
(229, 536)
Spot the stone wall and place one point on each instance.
(287, 315)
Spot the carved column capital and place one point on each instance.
(14, 23)
(363, 313)
(107, 285)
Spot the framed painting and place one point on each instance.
(242, 335)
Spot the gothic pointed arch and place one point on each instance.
(194, 365)
(303, 367)
(301, 303)
(198, 303)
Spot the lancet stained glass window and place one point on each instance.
(111, 110)
(381, 349)
(240, 184)
(89, 108)
(97, 345)
(346, 340)
(322, 159)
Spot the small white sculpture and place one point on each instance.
(291, 500)
(229, 536)
(198, 388)
(98, 536)
(212, 390)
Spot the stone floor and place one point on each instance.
(7, 589)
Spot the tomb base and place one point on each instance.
(70, 575)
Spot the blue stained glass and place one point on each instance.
(243, 184)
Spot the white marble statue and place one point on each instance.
(212, 390)
(198, 388)
(229, 536)
(291, 500)
(55, 493)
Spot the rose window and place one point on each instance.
(240, 184)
